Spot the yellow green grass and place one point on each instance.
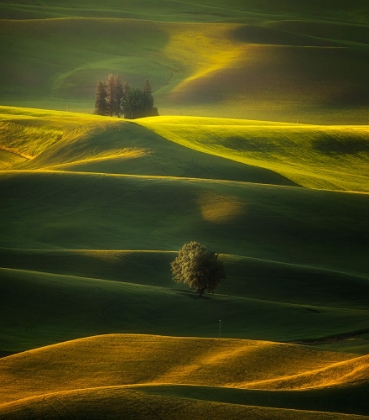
(313, 156)
(196, 375)
(29, 132)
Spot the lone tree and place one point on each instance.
(198, 267)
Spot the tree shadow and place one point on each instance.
(191, 295)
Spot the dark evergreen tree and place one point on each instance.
(138, 103)
(198, 267)
(112, 98)
(118, 95)
(101, 105)
(130, 104)
(125, 101)
(126, 90)
(148, 100)
(114, 91)
(110, 84)
(147, 87)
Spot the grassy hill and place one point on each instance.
(313, 156)
(262, 156)
(188, 10)
(159, 376)
(87, 236)
(285, 62)
(86, 217)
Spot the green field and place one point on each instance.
(251, 59)
(94, 212)
(261, 153)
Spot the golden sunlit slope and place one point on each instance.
(53, 140)
(313, 156)
(26, 133)
(120, 402)
(104, 366)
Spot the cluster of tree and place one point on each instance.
(114, 98)
(198, 267)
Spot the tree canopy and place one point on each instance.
(114, 98)
(198, 267)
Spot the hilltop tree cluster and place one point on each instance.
(114, 98)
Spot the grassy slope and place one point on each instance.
(299, 284)
(26, 133)
(114, 365)
(113, 402)
(314, 156)
(64, 211)
(64, 307)
(288, 251)
(190, 9)
(286, 64)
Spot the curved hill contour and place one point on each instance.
(202, 59)
(120, 365)
(94, 209)
(96, 215)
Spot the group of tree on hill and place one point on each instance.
(114, 98)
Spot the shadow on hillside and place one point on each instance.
(333, 146)
(191, 294)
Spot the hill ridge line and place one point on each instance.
(313, 372)
(152, 389)
(139, 285)
(73, 276)
(152, 177)
(174, 251)
(176, 178)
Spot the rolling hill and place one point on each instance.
(87, 217)
(254, 60)
(153, 376)
(261, 155)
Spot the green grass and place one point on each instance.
(289, 63)
(61, 307)
(94, 209)
(189, 10)
(276, 223)
(314, 156)
(26, 133)
(91, 213)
